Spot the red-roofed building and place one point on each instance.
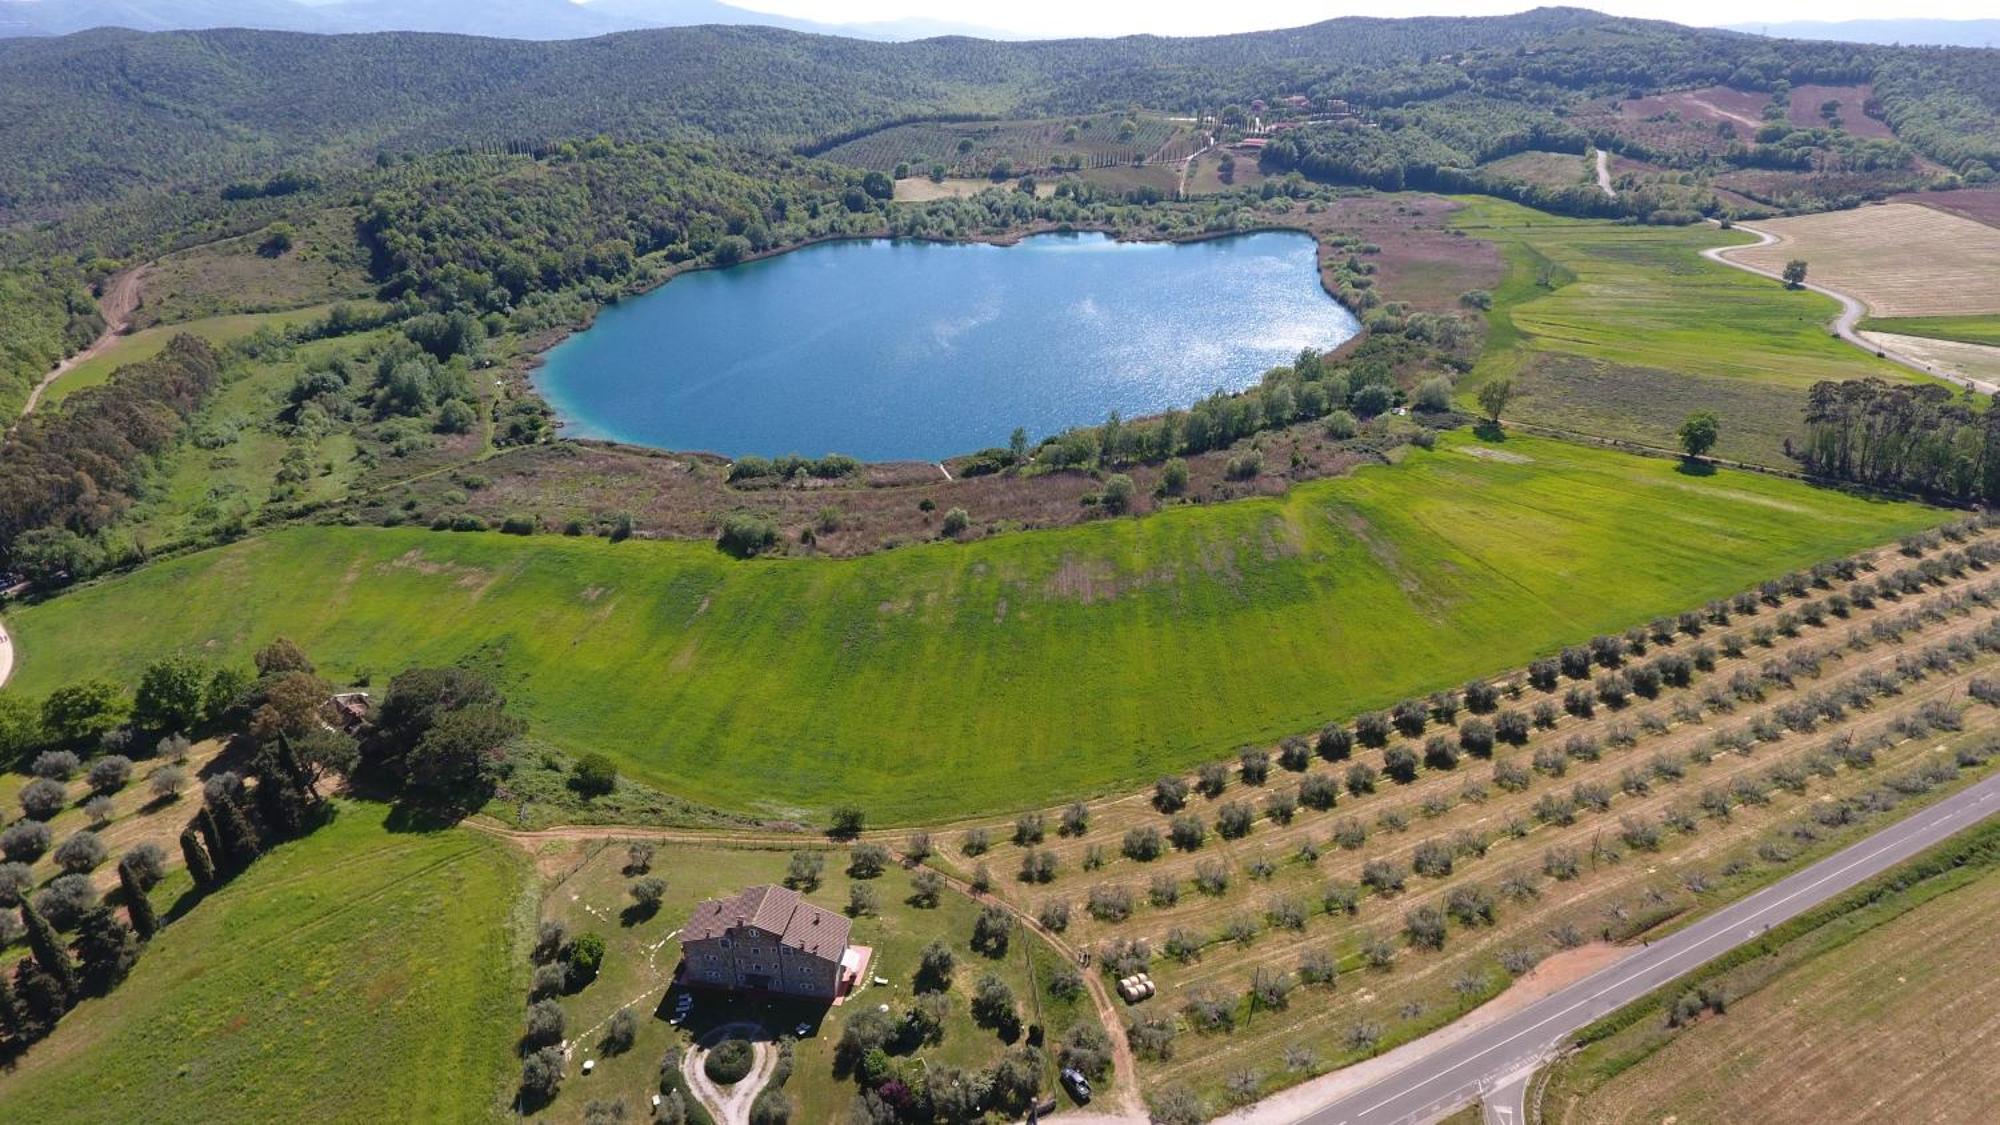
(765, 939)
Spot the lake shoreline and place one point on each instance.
(529, 369)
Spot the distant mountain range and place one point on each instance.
(502, 19)
(1915, 33)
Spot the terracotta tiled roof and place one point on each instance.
(778, 911)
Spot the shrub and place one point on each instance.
(166, 782)
(1143, 843)
(868, 861)
(729, 1063)
(956, 521)
(1233, 819)
(66, 900)
(81, 852)
(1187, 832)
(1424, 926)
(42, 798)
(746, 534)
(1318, 791)
(57, 765)
(24, 841)
(594, 775)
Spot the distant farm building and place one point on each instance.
(766, 939)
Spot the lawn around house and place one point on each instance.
(359, 974)
(946, 679)
(643, 950)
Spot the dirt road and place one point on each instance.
(1851, 312)
(119, 302)
(1604, 173)
(6, 654)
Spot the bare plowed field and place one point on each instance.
(1899, 259)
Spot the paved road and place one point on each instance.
(1458, 1074)
(1851, 312)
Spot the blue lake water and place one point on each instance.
(891, 350)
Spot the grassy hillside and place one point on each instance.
(373, 962)
(943, 679)
(1623, 330)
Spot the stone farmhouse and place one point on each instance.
(765, 939)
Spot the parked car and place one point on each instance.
(1077, 1085)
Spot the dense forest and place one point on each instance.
(108, 115)
(45, 314)
(1912, 438)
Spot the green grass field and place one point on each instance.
(360, 974)
(1622, 331)
(1964, 329)
(949, 679)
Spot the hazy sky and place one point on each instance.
(1179, 17)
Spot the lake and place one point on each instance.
(893, 350)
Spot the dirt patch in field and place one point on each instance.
(1971, 361)
(1807, 100)
(678, 496)
(1422, 262)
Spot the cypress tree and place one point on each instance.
(301, 777)
(282, 810)
(41, 998)
(108, 947)
(10, 1008)
(137, 906)
(240, 842)
(211, 837)
(51, 953)
(199, 864)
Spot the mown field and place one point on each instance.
(946, 680)
(361, 974)
(1886, 1013)
(1960, 329)
(1622, 331)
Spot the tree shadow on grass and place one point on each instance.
(1489, 430)
(1695, 467)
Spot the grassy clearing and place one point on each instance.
(1898, 258)
(239, 275)
(361, 974)
(201, 490)
(1548, 169)
(947, 680)
(1884, 1010)
(641, 953)
(145, 344)
(1961, 329)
